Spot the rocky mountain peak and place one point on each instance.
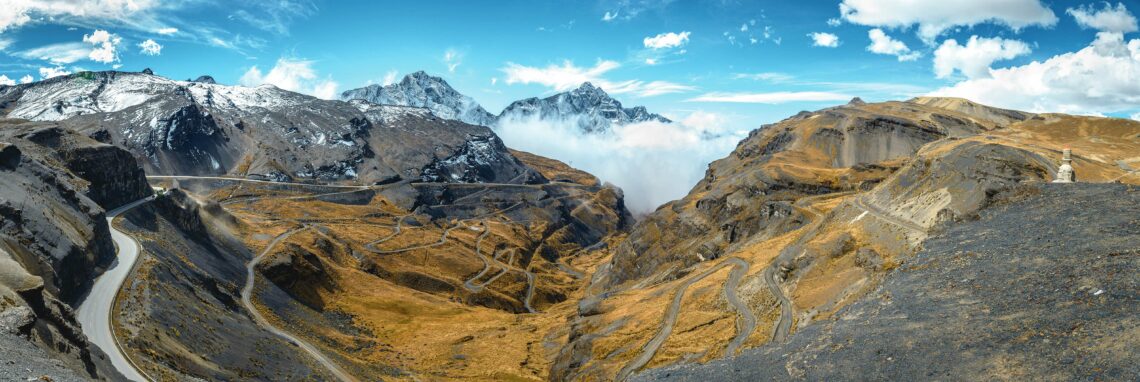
(592, 108)
(420, 89)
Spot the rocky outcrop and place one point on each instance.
(54, 238)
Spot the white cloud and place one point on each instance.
(5, 43)
(766, 76)
(666, 40)
(293, 75)
(609, 16)
(452, 58)
(883, 44)
(166, 31)
(105, 46)
(652, 162)
(19, 12)
(834, 22)
(771, 98)
(744, 27)
(150, 48)
(27, 79)
(568, 76)
(4, 80)
(390, 77)
(651, 61)
(46, 73)
(827, 40)
(1136, 117)
(62, 53)
(974, 59)
(1107, 19)
(937, 16)
(494, 81)
(1098, 79)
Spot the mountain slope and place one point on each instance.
(809, 215)
(589, 106)
(957, 310)
(422, 90)
(195, 128)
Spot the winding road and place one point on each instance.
(94, 313)
(784, 324)
(747, 322)
(883, 215)
(246, 300)
(670, 319)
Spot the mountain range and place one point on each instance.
(263, 234)
(588, 106)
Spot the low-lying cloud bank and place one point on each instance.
(652, 162)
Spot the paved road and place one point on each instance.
(667, 323)
(784, 324)
(251, 181)
(94, 313)
(246, 300)
(747, 323)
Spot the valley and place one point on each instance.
(283, 237)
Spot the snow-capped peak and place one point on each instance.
(420, 89)
(595, 110)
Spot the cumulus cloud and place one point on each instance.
(1136, 117)
(935, 17)
(652, 162)
(569, 76)
(105, 46)
(1107, 19)
(826, 40)
(293, 75)
(1098, 79)
(46, 73)
(975, 58)
(166, 31)
(26, 79)
(666, 40)
(150, 48)
(883, 44)
(609, 16)
(771, 98)
(834, 22)
(4, 80)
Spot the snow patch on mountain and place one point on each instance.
(588, 106)
(422, 90)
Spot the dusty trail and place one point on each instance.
(747, 322)
(246, 300)
(784, 324)
(887, 217)
(669, 321)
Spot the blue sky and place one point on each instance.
(737, 64)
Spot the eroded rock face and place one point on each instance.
(54, 238)
(749, 195)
